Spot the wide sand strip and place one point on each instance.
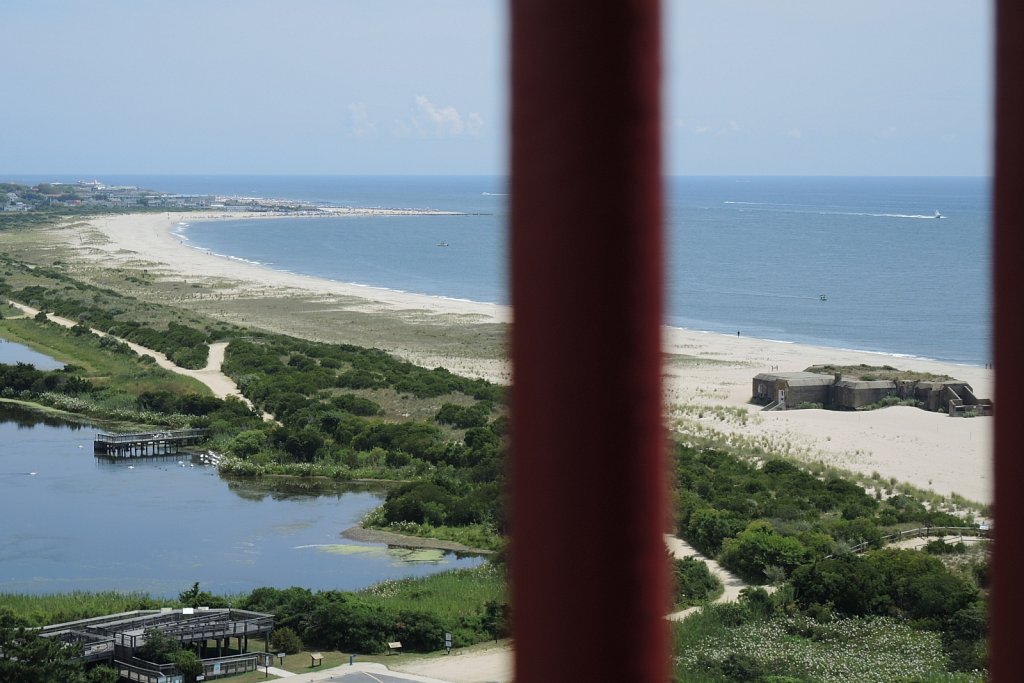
(703, 371)
(149, 237)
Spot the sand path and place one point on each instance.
(212, 376)
(732, 583)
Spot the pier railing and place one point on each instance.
(142, 671)
(146, 443)
(169, 435)
(199, 626)
(963, 532)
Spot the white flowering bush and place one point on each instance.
(868, 650)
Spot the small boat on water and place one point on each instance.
(938, 215)
(822, 297)
(441, 244)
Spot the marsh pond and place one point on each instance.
(73, 521)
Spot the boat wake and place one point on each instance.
(781, 208)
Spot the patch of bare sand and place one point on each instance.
(929, 450)
(475, 665)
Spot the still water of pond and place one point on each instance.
(11, 353)
(72, 521)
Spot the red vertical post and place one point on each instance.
(589, 575)
(1007, 599)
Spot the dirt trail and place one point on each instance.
(733, 584)
(212, 376)
(495, 664)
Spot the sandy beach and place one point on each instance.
(708, 376)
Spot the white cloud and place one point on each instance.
(361, 124)
(719, 130)
(795, 133)
(442, 119)
(887, 132)
(430, 120)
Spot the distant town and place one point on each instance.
(86, 194)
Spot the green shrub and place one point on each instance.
(692, 582)
(286, 640)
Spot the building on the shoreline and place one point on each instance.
(789, 390)
(116, 638)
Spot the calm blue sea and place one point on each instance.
(753, 255)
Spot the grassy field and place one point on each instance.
(449, 595)
(56, 608)
(102, 366)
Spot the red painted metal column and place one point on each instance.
(589, 574)
(1007, 599)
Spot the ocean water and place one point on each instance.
(858, 263)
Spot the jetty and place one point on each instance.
(141, 444)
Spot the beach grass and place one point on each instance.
(452, 595)
(57, 608)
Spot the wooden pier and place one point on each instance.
(146, 443)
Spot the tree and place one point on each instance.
(848, 583)
(349, 624)
(103, 674)
(286, 640)
(193, 597)
(28, 658)
(248, 443)
(707, 529)
(158, 647)
(758, 547)
(692, 582)
(189, 664)
(496, 618)
(920, 585)
(420, 631)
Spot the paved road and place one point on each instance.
(358, 673)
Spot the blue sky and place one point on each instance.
(752, 87)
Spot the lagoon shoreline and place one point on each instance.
(704, 371)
